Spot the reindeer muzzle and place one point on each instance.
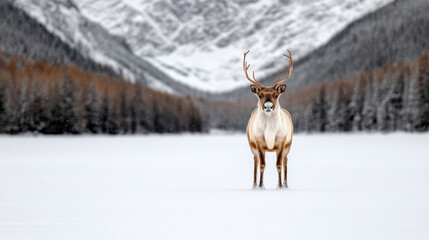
(268, 107)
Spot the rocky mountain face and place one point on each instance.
(64, 20)
(200, 43)
(396, 32)
(23, 36)
(195, 47)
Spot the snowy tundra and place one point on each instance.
(357, 186)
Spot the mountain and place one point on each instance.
(63, 19)
(395, 32)
(398, 31)
(195, 47)
(23, 36)
(201, 43)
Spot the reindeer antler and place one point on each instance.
(246, 67)
(289, 71)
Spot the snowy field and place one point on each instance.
(356, 186)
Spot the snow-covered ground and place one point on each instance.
(356, 186)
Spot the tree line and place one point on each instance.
(394, 97)
(38, 97)
(391, 98)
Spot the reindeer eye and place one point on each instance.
(276, 96)
(260, 96)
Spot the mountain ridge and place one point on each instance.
(95, 42)
(398, 31)
(62, 18)
(24, 36)
(200, 43)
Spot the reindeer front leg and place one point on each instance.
(255, 171)
(262, 166)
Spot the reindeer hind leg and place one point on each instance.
(285, 172)
(279, 167)
(285, 159)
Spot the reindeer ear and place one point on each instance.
(281, 88)
(254, 88)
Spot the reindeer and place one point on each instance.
(270, 127)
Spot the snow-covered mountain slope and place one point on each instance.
(63, 18)
(201, 43)
(23, 36)
(396, 32)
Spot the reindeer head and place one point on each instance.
(268, 96)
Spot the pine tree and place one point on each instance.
(158, 122)
(389, 98)
(39, 117)
(11, 109)
(356, 103)
(331, 114)
(195, 122)
(406, 114)
(11, 103)
(369, 109)
(2, 107)
(91, 109)
(24, 100)
(319, 111)
(420, 115)
(394, 102)
(141, 108)
(109, 116)
(64, 117)
(125, 112)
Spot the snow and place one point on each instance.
(199, 44)
(64, 21)
(356, 186)
(210, 59)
